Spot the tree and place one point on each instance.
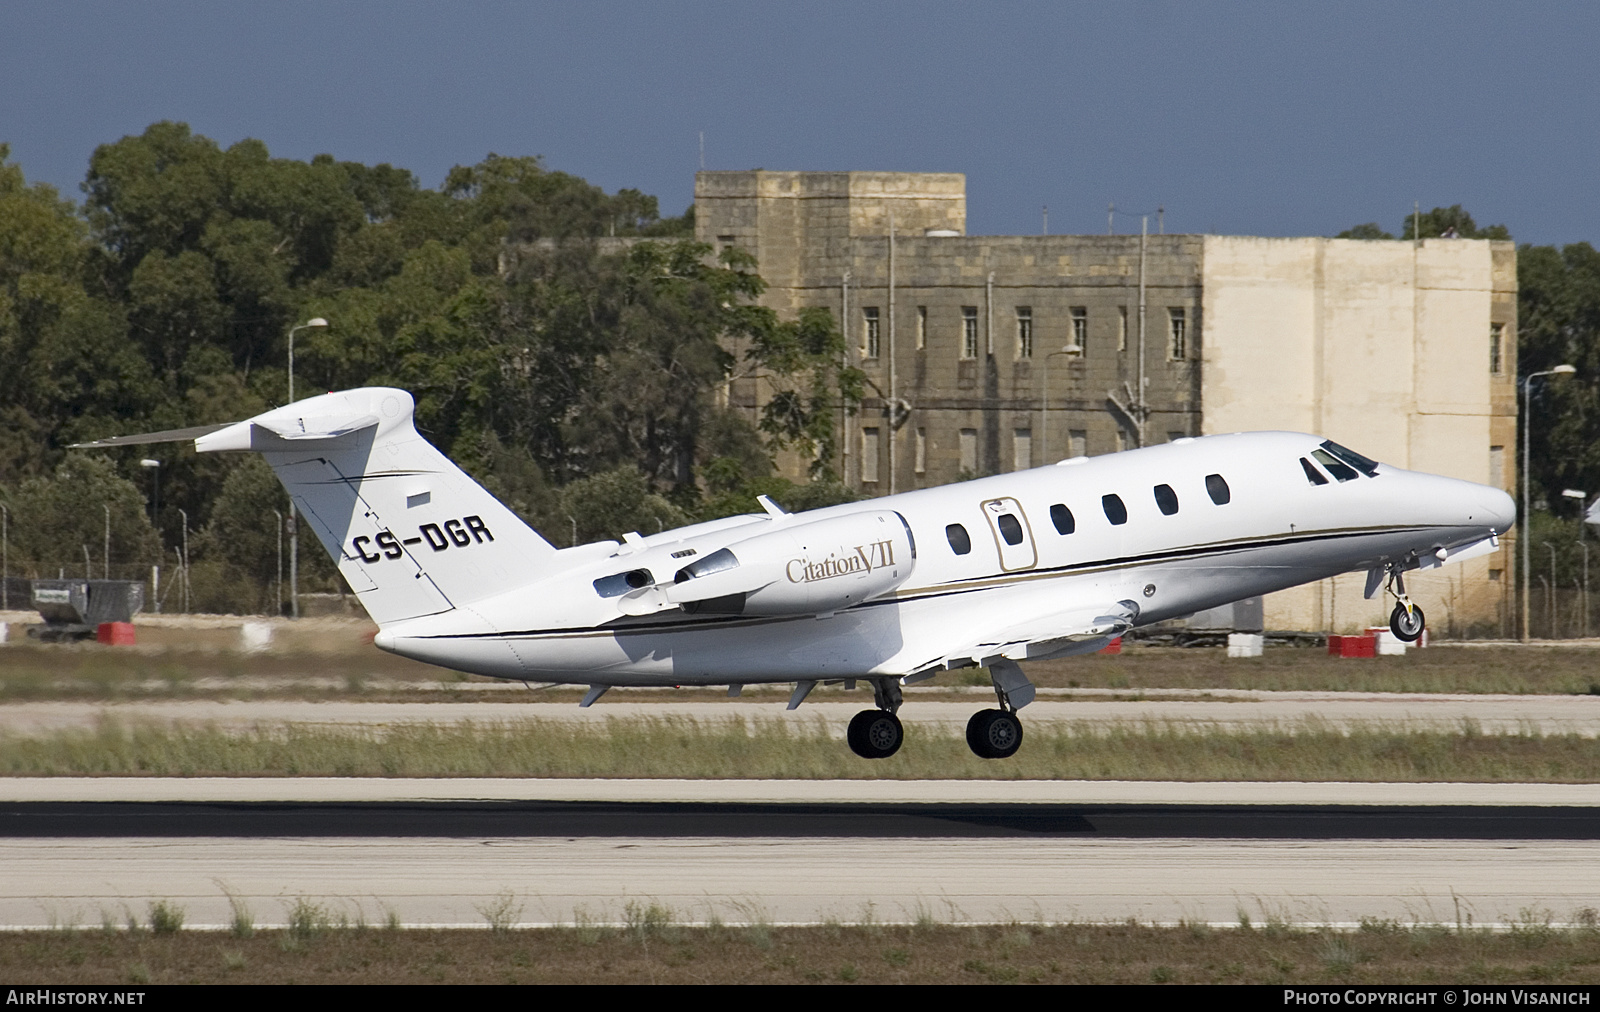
(1442, 220)
(1371, 230)
(55, 518)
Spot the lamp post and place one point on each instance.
(1527, 393)
(1071, 350)
(315, 323)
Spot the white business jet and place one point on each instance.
(1043, 563)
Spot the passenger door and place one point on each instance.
(1013, 536)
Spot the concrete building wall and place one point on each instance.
(1382, 346)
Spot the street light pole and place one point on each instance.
(1522, 535)
(1072, 351)
(315, 323)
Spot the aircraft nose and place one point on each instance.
(1497, 508)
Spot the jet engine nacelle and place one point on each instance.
(805, 569)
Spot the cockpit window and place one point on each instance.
(1217, 489)
(1338, 469)
(1366, 465)
(1314, 476)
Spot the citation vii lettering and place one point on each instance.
(864, 559)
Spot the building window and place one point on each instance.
(1024, 331)
(1497, 466)
(1021, 449)
(1497, 336)
(1077, 442)
(969, 451)
(870, 339)
(921, 460)
(922, 327)
(1177, 343)
(969, 331)
(1122, 328)
(1080, 328)
(869, 455)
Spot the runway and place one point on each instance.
(451, 862)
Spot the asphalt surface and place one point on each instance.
(733, 820)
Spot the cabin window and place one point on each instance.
(1062, 518)
(1116, 512)
(1337, 468)
(960, 542)
(1166, 500)
(1010, 528)
(1217, 489)
(1312, 474)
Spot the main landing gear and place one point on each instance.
(991, 734)
(997, 734)
(878, 734)
(1406, 621)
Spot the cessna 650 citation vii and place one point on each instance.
(1034, 564)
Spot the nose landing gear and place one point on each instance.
(1406, 621)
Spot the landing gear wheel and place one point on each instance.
(1406, 625)
(994, 734)
(875, 734)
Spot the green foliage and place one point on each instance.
(1441, 221)
(542, 353)
(612, 504)
(1371, 230)
(52, 520)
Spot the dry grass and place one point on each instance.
(661, 951)
(736, 748)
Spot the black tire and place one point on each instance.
(875, 734)
(1407, 627)
(994, 734)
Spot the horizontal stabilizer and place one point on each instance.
(169, 436)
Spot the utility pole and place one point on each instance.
(894, 390)
(844, 410)
(105, 570)
(1140, 409)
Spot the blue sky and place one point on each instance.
(1249, 118)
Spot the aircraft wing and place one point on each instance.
(1077, 630)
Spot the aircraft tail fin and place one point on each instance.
(411, 533)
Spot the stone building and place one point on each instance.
(988, 354)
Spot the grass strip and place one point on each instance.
(736, 748)
(658, 950)
(31, 671)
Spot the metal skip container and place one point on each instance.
(75, 609)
